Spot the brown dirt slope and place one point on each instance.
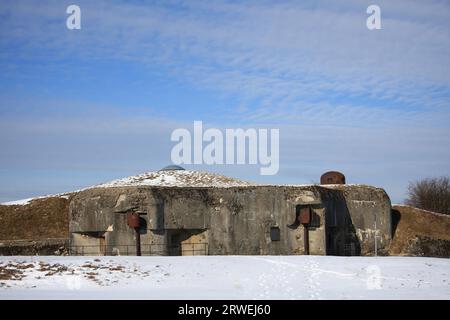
(40, 219)
(419, 232)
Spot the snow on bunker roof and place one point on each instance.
(176, 178)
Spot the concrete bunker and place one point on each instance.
(231, 219)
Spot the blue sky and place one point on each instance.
(79, 107)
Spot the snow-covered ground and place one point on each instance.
(224, 277)
(23, 202)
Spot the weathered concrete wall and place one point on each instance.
(46, 247)
(234, 220)
(358, 213)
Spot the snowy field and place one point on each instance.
(224, 277)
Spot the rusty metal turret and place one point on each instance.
(332, 177)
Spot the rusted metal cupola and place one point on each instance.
(332, 177)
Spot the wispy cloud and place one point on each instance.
(281, 55)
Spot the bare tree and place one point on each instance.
(431, 194)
